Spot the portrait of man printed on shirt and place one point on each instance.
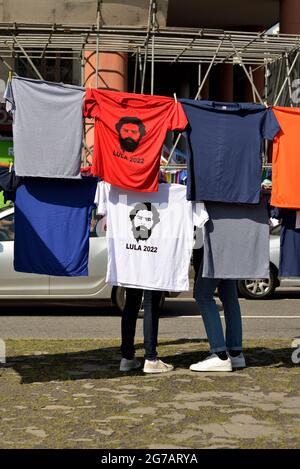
(130, 130)
(144, 217)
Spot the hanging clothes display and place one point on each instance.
(129, 133)
(289, 262)
(47, 127)
(173, 176)
(52, 221)
(285, 159)
(150, 236)
(225, 143)
(236, 241)
(8, 183)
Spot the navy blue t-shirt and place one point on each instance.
(52, 222)
(225, 146)
(289, 265)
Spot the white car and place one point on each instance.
(23, 286)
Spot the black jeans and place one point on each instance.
(151, 319)
(197, 264)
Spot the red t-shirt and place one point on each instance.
(129, 133)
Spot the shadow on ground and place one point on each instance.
(70, 394)
(103, 362)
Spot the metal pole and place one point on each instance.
(199, 74)
(152, 66)
(286, 79)
(208, 70)
(196, 97)
(97, 44)
(278, 78)
(266, 142)
(251, 75)
(135, 71)
(146, 45)
(82, 67)
(246, 72)
(153, 44)
(28, 58)
(6, 64)
(246, 45)
(140, 64)
(266, 80)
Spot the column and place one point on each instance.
(112, 75)
(290, 16)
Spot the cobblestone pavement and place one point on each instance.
(70, 394)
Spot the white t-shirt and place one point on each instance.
(149, 236)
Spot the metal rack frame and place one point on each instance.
(150, 45)
(171, 44)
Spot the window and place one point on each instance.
(56, 69)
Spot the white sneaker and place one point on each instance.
(212, 363)
(239, 361)
(157, 366)
(129, 365)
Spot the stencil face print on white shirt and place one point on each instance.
(144, 217)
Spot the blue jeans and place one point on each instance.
(150, 325)
(204, 294)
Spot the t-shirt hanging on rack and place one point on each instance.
(236, 241)
(129, 133)
(289, 263)
(285, 159)
(225, 143)
(52, 222)
(8, 183)
(47, 127)
(150, 236)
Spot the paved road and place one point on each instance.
(277, 318)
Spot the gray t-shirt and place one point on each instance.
(47, 127)
(236, 241)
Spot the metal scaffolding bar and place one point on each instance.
(168, 44)
(253, 92)
(171, 44)
(208, 70)
(196, 97)
(28, 58)
(286, 78)
(97, 44)
(146, 45)
(247, 73)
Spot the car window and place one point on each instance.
(7, 228)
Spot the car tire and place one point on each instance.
(118, 297)
(259, 289)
